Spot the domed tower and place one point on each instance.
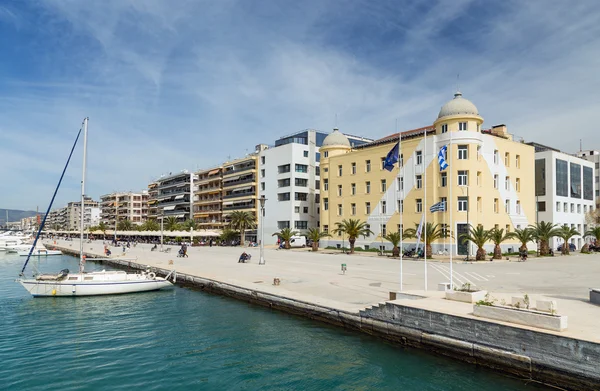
(458, 114)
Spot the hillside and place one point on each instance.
(14, 215)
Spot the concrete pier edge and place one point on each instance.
(575, 376)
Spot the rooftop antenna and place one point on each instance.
(458, 82)
(335, 125)
(580, 148)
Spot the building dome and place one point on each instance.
(458, 106)
(336, 138)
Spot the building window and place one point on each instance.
(368, 208)
(562, 178)
(353, 209)
(419, 181)
(401, 206)
(462, 126)
(283, 169)
(301, 196)
(400, 183)
(368, 187)
(283, 182)
(326, 154)
(463, 178)
(305, 209)
(541, 206)
(317, 170)
(518, 161)
(340, 210)
(383, 207)
(572, 208)
(383, 230)
(585, 209)
(301, 224)
(478, 178)
(367, 166)
(325, 184)
(495, 205)
(262, 186)
(382, 162)
(507, 183)
(262, 160)
(340, 170)
(305, 153)
(495, 156)
(462, 204)
(353, 168)
(302, 182)
(317, 184)
(507, 206)
(507, 228)
(507, 159)
(558, 206)
(400, 227)
(495, 181)
(518, 184)
(419, 155)
(353, 189)
(339, 190)
(575, 180)
(463, 152)
(283, 197)
(419, 203)
(479, 205)
(444, 128)
(518, 207)
(565, 207)
(301, 168)
(325, 228)
(444, 179)
(283, 224)
(296, 209)
(262, 173)
(325, 203)
(383, 185)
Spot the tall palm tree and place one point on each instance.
(151, 225)
(497, 235)
(565, 233)
(315, 236)
(543, 232)
(125, 225)
(240, 221)
(479, 237)
(353, 228)
(103, 227)
(594, 232)
(286, 235)
(524, 236)
(189, 224)
(394, 238)
(171, 224)
(228, 235)
(433, 231)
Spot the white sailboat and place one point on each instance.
(65, 283)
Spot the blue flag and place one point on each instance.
(439, 207)
(391, 158)
(442, 158)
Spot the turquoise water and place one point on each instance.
(187, 340)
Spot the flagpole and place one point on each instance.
(399, 193)
(450, 202)
(425, 203)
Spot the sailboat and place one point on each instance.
(65, 283)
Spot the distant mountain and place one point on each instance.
(15, 215)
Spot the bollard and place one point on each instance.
(344, 268)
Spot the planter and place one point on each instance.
(521, 316)
(466, 297)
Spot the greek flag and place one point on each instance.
(439, 207)
(442, 158)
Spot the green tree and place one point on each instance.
(543, 232)
(524, 236)
(352, 228)
(565, 233)
(498, 236)
(286, 235)
(125, 225)
(103, 227)
(479, 237)
(171, 224)
(228, 235)
(240, 221)
(151, 225)
(431, 233)
(189, 224)
(315, 236)
(594, 233)
(394, 238)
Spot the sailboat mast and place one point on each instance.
(82, 209)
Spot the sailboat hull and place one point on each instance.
(93, 284)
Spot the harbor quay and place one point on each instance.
(357, 296)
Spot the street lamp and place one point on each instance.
(468, 225)
(162, 219)
(262, 200)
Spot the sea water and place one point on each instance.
(182, 339)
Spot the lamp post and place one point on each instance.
(468, 225)
(162, 219)
(262, 200)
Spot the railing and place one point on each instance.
(175, 202)
(250, 193)
(238, 182)
(238, 170)
(207, 201)
(174, 192)
(232, 207)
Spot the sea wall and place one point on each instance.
(547, 358)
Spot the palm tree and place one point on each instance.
(125, 225)
(189, 224)
(286, 235)
(315, 236)
(478, 236)
(103, 227)
(151, 225)
(565, 233)
(497, 235)
(171, 224)
(241, 220)
(524, 236)
(353, 228)
(228, 235)
(433, 231)
(543, 232)
(594, 232)
(394, 238)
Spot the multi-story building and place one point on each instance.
(172, 196)
(57, 219)
(91, 214)
(208, 198)
(489, 180)
(593, 156)
(564, 190)
(240, 191)
(290, 180)
(120, 206)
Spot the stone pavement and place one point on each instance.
(318, 278)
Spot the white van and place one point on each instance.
(298, 241)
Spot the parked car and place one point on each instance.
(571, 247)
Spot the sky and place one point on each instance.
(188, 84)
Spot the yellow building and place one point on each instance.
(489, 180)
(208, 198)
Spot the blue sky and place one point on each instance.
(172, 85)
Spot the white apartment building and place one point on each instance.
(91, 214)
(124, 206)
(289, 178)
(565, 190)
(172, 196)
(594, 157)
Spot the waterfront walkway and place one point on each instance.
(317, 278)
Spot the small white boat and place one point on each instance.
(39, 252)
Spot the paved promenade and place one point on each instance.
(317, 278)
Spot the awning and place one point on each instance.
(181, 215)
(232, 178)
(213, 172)
(227, 203)
(151, 202)
(169, 207)
(244, 188)
(179, 197)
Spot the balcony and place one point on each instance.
(169, 193)
(168, 185)
(212, 189)
(204, 201)
(175, 202)
(238, 182)
(238, 195)
(238, 207)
